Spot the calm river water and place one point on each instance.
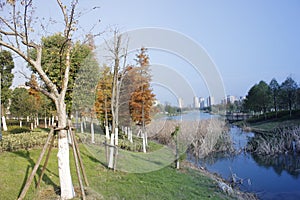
(272, 178)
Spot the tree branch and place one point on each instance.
(25, 25)
(15, 24)
(18, 51)
(7, 33)
(67, 31)
(45, 92)
(63, 10)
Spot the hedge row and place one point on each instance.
(28, 140)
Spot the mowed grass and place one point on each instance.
(272, 125)
(283, 120)
(165, 183)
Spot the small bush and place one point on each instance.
(18, 129)
(30, 140)
(136, 146)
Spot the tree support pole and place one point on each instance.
(78, 155)
(28, 183)
(77, 165)
(77, 158)
(46, 161)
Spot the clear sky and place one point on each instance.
(248, 41)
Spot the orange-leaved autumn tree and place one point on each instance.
(35, 94)
(103, 96)
(142, 97)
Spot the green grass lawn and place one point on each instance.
(272, 125)
(272, 122)
(164, 183)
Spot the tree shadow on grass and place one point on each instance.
(46, 179)
(93, 159)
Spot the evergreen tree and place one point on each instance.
(21, 103)
(259, 98)
(54, 62)
(275, 89)
(6, 67)
(288, 94)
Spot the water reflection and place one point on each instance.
(283, 162)
(272, 177)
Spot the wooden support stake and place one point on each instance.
(115, 158)
(77, 166)
(106, 150)
(79, 157)
(37, 164)
(46, 161)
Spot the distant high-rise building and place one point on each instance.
(196, 103)
(210, 101)
(180, 102)
(230, 99)
(224, 101)
(202, 102)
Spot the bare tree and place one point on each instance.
(16, 35)
(119, 55)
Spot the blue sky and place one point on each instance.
(248, 41)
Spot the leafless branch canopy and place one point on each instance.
(16, 34)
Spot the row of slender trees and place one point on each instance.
(132, 88)
(135, 94)
(129, 86)
(263, 97)
(55, 60)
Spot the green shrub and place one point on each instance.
(136, 146)
(29, 140)
(18, 129)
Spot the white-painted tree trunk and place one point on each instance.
(116, 137)
(37, 121)
(130, 135)
(49, 122)
(84, 122)
(111, 154)
(27, 118)
(52, 120)
(92, 132)
(144, 143)
(81, 127)
(126, 131)
(106, 132)
(4, 126)
(45, 121)
(67, 190)
(66, 185)
(146, 138)
(31, 126)
(76, 120)
(35, 124)
(20, 123)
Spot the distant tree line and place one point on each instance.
(263, 97)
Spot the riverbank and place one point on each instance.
(166, 183)
(271, 122)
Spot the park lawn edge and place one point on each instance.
(187, 183)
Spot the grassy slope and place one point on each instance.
(272, 122)
(166, 183)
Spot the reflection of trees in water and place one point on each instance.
(219, 156)
(281, 162)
